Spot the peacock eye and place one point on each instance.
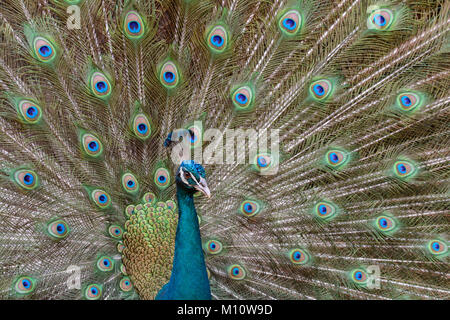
(29, 111)
(58, 229)
(290, 23)
(325, 210)
(243, 98)
(100, 85)
(236, 272)
(115, 231)
(320, 90)
(299, 256)
(380, 19)
(217, 39)
(359, 276)
(125, 284)
(93, 292)
(101, 198)
(91, 145)
(162, 178)
(44, 49)
(385, 224)
(213, 247)
(25, 285)
(404, 169)
(250, 208)
(105, 264)
(149, 197)
(409, 101)
(168, 75)
(336, 159)
(133, 25)
(130, 183)
(437, 247)
(26, 179)
(141, 126)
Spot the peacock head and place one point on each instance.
(192, 177)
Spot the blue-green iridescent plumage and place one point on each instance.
(355, 178)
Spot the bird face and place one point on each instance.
(191, 176)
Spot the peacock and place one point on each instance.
(120, 177)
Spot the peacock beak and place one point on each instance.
(203, 188)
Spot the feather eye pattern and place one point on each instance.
(265, 163)
(93, 292)
(26, 179)
(386, 223)
(91, 145)
(141, 126)
(218, 38)
(243, 97)
(236, 272)
(290, 23)
(125, 284)
(100, 85)
(99, 197)
(105, 264)
(115, 231)
(24, 285)
(336, 158)
(129, 183)
(438, 248)
(213, 247)
(196, 138)
(29, 111)
(58, 229)
(404, 169)
(380, 19)
(359, 277)
(129, 210)
(299, 256)
(325, 210)
(250, 208)
(321, 90)
(169, 74)
(409, 101)
(162, 178)
(149, 197)
(133, 25)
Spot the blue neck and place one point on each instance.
(189, 280)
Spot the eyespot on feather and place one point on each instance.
(243, 98)
(58, 229)
(299, 256)
(91, 145)
(100, 85)
(162, 178)
(105, 264)
(130, 183)
(29, 111)
(213, 247)
(44, 49)
(141, 126)
(169, 75)
(321, 90)
(250, 208)
(101, 198)
(380, 19)
(133, 25)
(26, 179)
(236, 272)
(24, 285)
(93, 292)
(218, 39)
(290, 23)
